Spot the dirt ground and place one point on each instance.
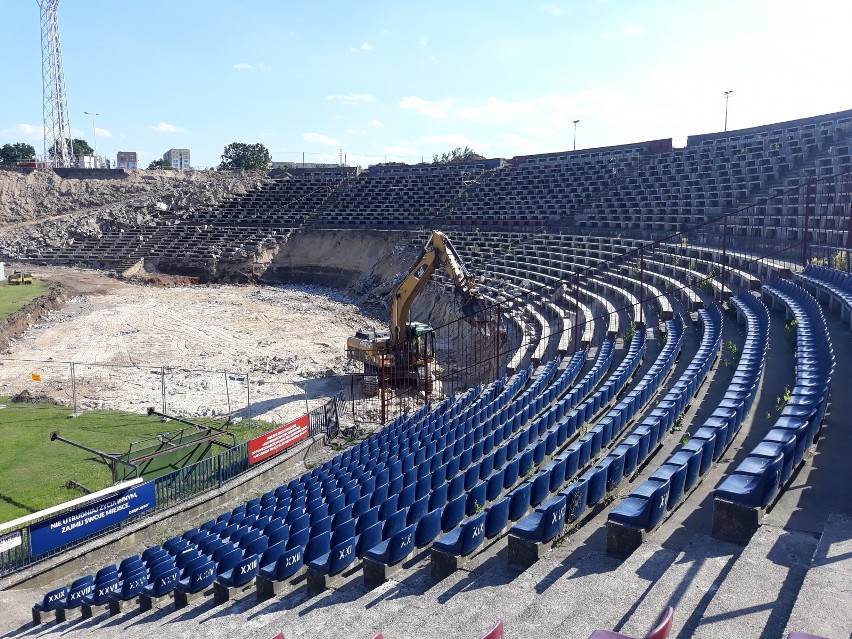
(247, 351)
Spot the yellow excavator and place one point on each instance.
(20, 277)
(406, 350)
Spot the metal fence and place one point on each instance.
(168, 389)
(173, 488)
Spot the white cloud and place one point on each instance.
(165, 127)
(377, 123)
(553, 10)
(401, 150)
(245, 66)
(429, 108)
(424, 41)
(352, 98)
(32, 132)
(319, 138)
(554, 111)
(365, 46)
(451, 140)
(103, 133)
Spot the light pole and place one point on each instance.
(727, 96)
(575, 134)
(94, 135)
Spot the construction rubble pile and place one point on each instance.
(39, 208)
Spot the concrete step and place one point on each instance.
(575, 600)
(688, 586)
(604, 601)
(539, 601)
(827, 586)
(755, 599)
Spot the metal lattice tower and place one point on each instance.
(57, 127)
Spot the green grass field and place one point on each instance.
(34, 470)
(13, 298)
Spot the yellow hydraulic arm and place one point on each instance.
(438, 251)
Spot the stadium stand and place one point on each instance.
(597, 258)
(756, 482)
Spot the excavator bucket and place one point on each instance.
(474, 310)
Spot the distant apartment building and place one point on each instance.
(178, 158)
(127, 160)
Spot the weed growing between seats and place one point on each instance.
(792, 328)
(34, 471)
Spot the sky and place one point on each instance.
(402, 81)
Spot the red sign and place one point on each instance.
(279, 439)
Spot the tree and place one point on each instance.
(18, 152)
(159, 164)
(78, 147)
(457, 156)
(239, 155)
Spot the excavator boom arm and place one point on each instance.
(438, 251)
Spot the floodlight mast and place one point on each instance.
(57, 126)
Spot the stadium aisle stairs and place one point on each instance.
(756, 597)
(827, 585)
(688, 585)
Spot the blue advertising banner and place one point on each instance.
(91, 519)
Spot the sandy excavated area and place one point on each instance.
(137, 345)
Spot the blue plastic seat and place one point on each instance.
(755, 482)
(395, 548)
(428, 527)
(540, 487)
(321, 526)
(497, 517)
(576, 499)
(645, 507)
(226, 562)
(317, 546)
(463, 539)
(287, 565)
(131, 586)
(271, 554)
(511, 472)
(453, 513)
(104, 587)
(80, 589)
(395, 522)
(369, 538)
(476, 498)
(676, 476)
(545, 522)
(418, 509)
(199, 579)
(438, 497)
(388, 507)
(519, 501)
(336, 559)
(456, 486)
(256, 547)
(161, 583)
(54, 599)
